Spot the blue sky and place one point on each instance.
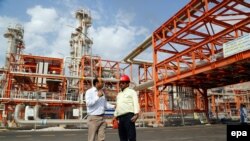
(118, 25)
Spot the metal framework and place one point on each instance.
(42, 83)
(191, 43)
(188, 59)
(225, 102)
(146, 95)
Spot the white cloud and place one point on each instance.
(43, 20)
(60, 46)
(95, 15)
(109, 42)
(114, 42)
(35, 44)
(124, 17)
(6, 21)
(46, 33)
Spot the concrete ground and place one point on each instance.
(181, 133)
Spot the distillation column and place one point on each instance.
(80, 43)
(16, 45)
(14, 34)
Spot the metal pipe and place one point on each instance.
(143, 46)
(61, 76)
(144, 85)
(38, 121)
(64, 61)
(140, 61)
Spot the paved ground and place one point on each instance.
(186, 133)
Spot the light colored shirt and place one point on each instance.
(243, 114)
(96, 105)
(127, 102)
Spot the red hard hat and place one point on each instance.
(124, 78)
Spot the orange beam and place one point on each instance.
(217, 64)
(209, 40)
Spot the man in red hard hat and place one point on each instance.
(127, 110)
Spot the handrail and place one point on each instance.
(39, 121)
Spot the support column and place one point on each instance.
(206, 103)
(213, 105)
(62, 112)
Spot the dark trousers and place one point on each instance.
(126, 128)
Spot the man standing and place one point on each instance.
(127, 110)
(243, 114)
(96, 104)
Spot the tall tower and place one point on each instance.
(16, 45)
(80, 43)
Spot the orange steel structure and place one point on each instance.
(191, 43)
(225, 103)
(187, 61)
(49, 88)
(38, 81)
(109, 70)
(146, 95)
(29, 86)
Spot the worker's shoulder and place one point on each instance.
(90, 90)
(129, 90)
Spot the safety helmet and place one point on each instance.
(124, 78)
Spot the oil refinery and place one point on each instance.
(203, 76)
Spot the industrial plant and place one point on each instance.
(199, 72)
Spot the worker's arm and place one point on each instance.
(136, 107)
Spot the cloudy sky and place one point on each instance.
(118, 25)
